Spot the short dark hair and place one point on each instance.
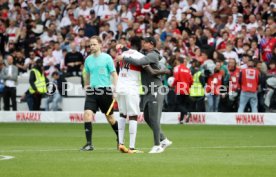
(55, 73)
(135, 42)
(97, 38)
(150, 40)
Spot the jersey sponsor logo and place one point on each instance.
(28, 116)
(250, 74)
(250, 119)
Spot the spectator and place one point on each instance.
(214, 83)
(182, 83)
(58, 55)
(229, 53)
(249, 81)
(245, 60)
(223, 10)
(174, 15)
(73, 61)
(197, 88)
(100, 8)
(37, 87)
(125, 17)
(83, 10)
(3, 38)
(19, 61)
(49, 62)
(268, 43)
(262, 85)
(198, 26)
(1, 81)
(55, 97)
(272, 69)
(233, 86)
(92, 26)
(30, 61)
(110, 15)
(9, 75)
(13, 32)
(162, 12)
(239, 48)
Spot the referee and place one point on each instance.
(98, 66)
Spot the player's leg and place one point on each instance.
(122, 122)
(243, 101)
(121, 127)
(121, 131)
(164, 142)
(122, 119)
(133, 110)
(155, 126)
(89, 107)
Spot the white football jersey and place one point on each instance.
(129, 78)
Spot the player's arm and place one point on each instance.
(130, 60)
(155, 72)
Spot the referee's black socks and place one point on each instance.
(88, 132)
(115, 128)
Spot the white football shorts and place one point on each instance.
(129, 104)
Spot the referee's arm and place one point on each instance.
(87, 81)
(115, 78)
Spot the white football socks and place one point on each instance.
(121, 127)
(132, 133)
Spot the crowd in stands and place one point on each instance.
(210, 35)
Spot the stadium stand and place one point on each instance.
(206, 31)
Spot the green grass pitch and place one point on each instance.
(52, 150)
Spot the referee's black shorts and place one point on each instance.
(99, 98)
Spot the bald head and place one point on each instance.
(73, 46)
(9, 60)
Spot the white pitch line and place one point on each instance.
(111, 149)
(231, 147)
(5, 157)
(37, 150)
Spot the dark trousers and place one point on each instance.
(35, 102)
(1, 96)
(152, 115)
(182, 105)
(197, 104)
(10, 94)
(171, 101)
(73, 71)
(224, 105)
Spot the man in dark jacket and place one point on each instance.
(9, 76)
